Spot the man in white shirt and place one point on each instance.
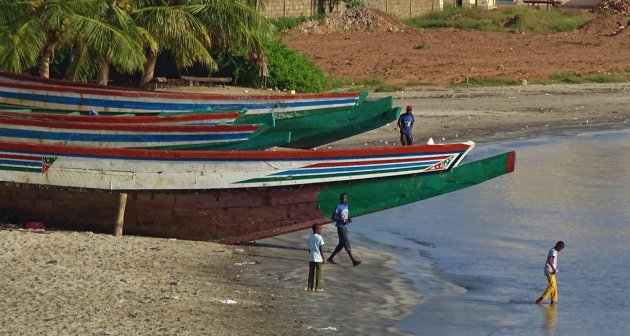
(551, 268)
(315, 258)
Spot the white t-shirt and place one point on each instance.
(552, 253)
(314, 242)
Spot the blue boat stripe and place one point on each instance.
(152, 106)
(376, 168)
(88, 137)
(20, 163)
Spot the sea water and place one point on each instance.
(477, 255)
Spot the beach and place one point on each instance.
(80, 283)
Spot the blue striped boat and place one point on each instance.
(107, 135)
(42, 93)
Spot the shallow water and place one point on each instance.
(477, 255)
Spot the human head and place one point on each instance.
(559, 246)
(409, 108)
(317, 228)
(343, 198)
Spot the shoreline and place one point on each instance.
(84, 283)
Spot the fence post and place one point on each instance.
(122, 203)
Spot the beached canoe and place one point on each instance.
(325, 126)
(20, 90)
(111, 135)
(255, 195)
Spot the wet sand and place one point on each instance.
(90, 284)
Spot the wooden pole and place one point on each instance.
(122, 203)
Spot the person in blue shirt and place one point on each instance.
(405, 123)
(342, 219)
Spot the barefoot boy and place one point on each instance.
(315, 258)
(551, 268)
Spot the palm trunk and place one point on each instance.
(44, 61)
(149, 69)
(102, 76)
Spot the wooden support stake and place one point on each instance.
(122, 203)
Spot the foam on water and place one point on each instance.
(477, 255)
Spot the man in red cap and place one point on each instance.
(405, 123)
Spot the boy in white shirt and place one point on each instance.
(315, 258)
(551, 268)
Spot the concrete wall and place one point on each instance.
(401, 9)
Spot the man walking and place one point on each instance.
(405, 123)
(551, 268)
(342, 219)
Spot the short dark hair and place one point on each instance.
(314, 227)
(342, 195)
(560, 243)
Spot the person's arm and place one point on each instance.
(550, 262)
(321, 252)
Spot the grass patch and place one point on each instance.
(421, 46)
(502, 19)
(573, 78)
(488, 81)
(286, 23)
(366, 83)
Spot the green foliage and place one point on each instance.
(243, 71)
(354, 3)
(286, 23)
(288, 70)
(488, 81)
(292, 71)
(502, 19)
(573, 78)
(421, 46)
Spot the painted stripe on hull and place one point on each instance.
(237, 215)
(83, 167)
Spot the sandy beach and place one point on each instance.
(80, 283)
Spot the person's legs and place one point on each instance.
(339, 246)
(403, 139)
(550, 290)
(311, 275)
(409, 140)
(318, 275)
(346, 245)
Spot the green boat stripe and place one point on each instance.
(23, 169)
(313, 176)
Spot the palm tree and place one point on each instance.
(191, 28)
(31, 31)
(109, 36)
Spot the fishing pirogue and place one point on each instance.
(227, 196)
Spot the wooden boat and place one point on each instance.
(132, 135)
(42, 93)
(225, 196)
(320, 127)
(226, 118)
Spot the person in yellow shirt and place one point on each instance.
(551, 268)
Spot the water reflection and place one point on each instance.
(551, 319)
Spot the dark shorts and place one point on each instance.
(405, 139)
(344, 242)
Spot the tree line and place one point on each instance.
(127, 35)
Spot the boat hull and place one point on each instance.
(236, 215)
(24, 91)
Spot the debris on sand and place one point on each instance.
(352, 19)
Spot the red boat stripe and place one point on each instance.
(120, 119)
(172, 95)
(20, 157)
(123, 127)
(234, 155)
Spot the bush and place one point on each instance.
(288, 70)
(292, 71)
